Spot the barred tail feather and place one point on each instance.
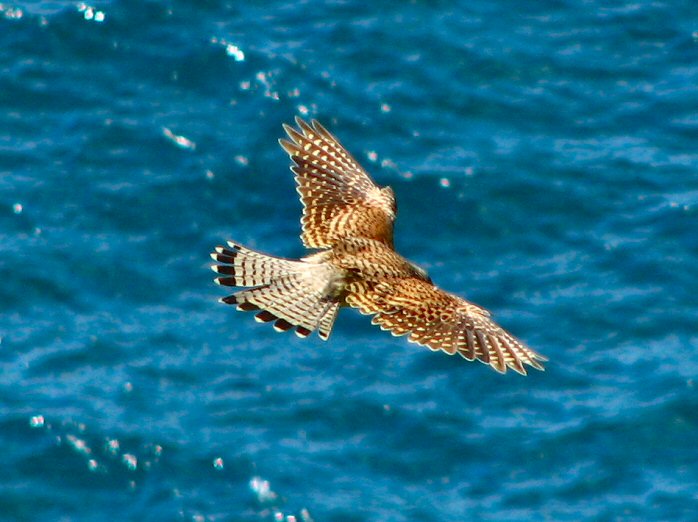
(289, 293)
(327, 320)
(248, 267)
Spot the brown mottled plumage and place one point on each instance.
(350, 219)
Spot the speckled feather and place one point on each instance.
(443, 321)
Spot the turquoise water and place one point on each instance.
(544, 161)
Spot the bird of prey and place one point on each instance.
(348, 220)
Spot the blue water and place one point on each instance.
(544, 158)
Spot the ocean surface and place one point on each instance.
(545, 161)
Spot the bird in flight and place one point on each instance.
(348, 220)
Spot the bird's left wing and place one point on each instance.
(441, 321)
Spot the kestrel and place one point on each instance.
(349, 220)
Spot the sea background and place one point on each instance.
(545, 160)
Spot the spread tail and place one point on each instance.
(292, 294)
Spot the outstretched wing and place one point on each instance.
(441, 321)
(339, 198)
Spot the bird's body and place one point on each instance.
(350, 221)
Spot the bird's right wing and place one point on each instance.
(339, 198)
(441, 321)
